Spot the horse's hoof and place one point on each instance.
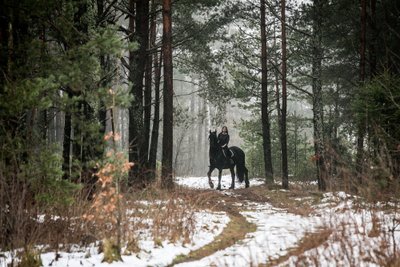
(247, 185)
(232, 187)
(219, 188)
(211, 184)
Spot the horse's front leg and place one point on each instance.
(209, 177)
(219, 179)
(233, 178)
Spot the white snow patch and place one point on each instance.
(276, 231)
(226, 180)
(208, 224)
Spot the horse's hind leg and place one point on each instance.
(246, 175)
(233, 178)
(219, 179)
(209, 177)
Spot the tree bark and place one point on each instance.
(317, 95)
(361, 124)
(265, 120)
(156, 116)
(167, 152)
(373, 43)
(102, 112)
(137, 152)
(4, 40)
(147, 92)
(285, 172)
(132, 140)
(142, 108)
(66, 167)
(277, 94)
(296, 133)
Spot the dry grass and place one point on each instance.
(152, 213)
(295, 201)
(308, 242)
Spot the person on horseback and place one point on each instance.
(223, 141)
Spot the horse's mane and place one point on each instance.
(214, 147)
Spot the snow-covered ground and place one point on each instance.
(276, 231)
(352, 242)
(202, 182)
(360, 237)
(208, 225)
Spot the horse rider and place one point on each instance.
(223, 141)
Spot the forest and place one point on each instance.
(106, 107)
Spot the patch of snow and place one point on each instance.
(276, 231)
(360, 237)
(41, 218)
(202, 182)
(207, 225)
(352, 242)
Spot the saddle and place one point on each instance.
(231, 154)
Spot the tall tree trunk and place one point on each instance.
(157, 76)
(156, 116)
(147, 109)
(167, 144)
(138, 60)
(373, 43)
(77, 140)
(4, 40)
(147, 91)
(191, 138)
(199, 135)
(45, 113)
(132, 140)
(277, 95)
(361, 124)
(59, 126)
(143, 68)
(285, 172)
(102, 113)
(296, 143)
(335, 141)
(317, 95)
(66, 167)
(265, 121)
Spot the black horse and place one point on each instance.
(220, 162)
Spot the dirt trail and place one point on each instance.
(235, 230)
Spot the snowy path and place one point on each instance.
(359, 235)
(276, 232)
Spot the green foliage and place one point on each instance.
(200, 25)
(379, 103)
(52, 65)
(299, 149)
(379, 109)
(26, 94)
(43, 174)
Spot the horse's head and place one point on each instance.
(212, 137)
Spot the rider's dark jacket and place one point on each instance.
(223, 140)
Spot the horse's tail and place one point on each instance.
(240, 171)
(240, 160)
